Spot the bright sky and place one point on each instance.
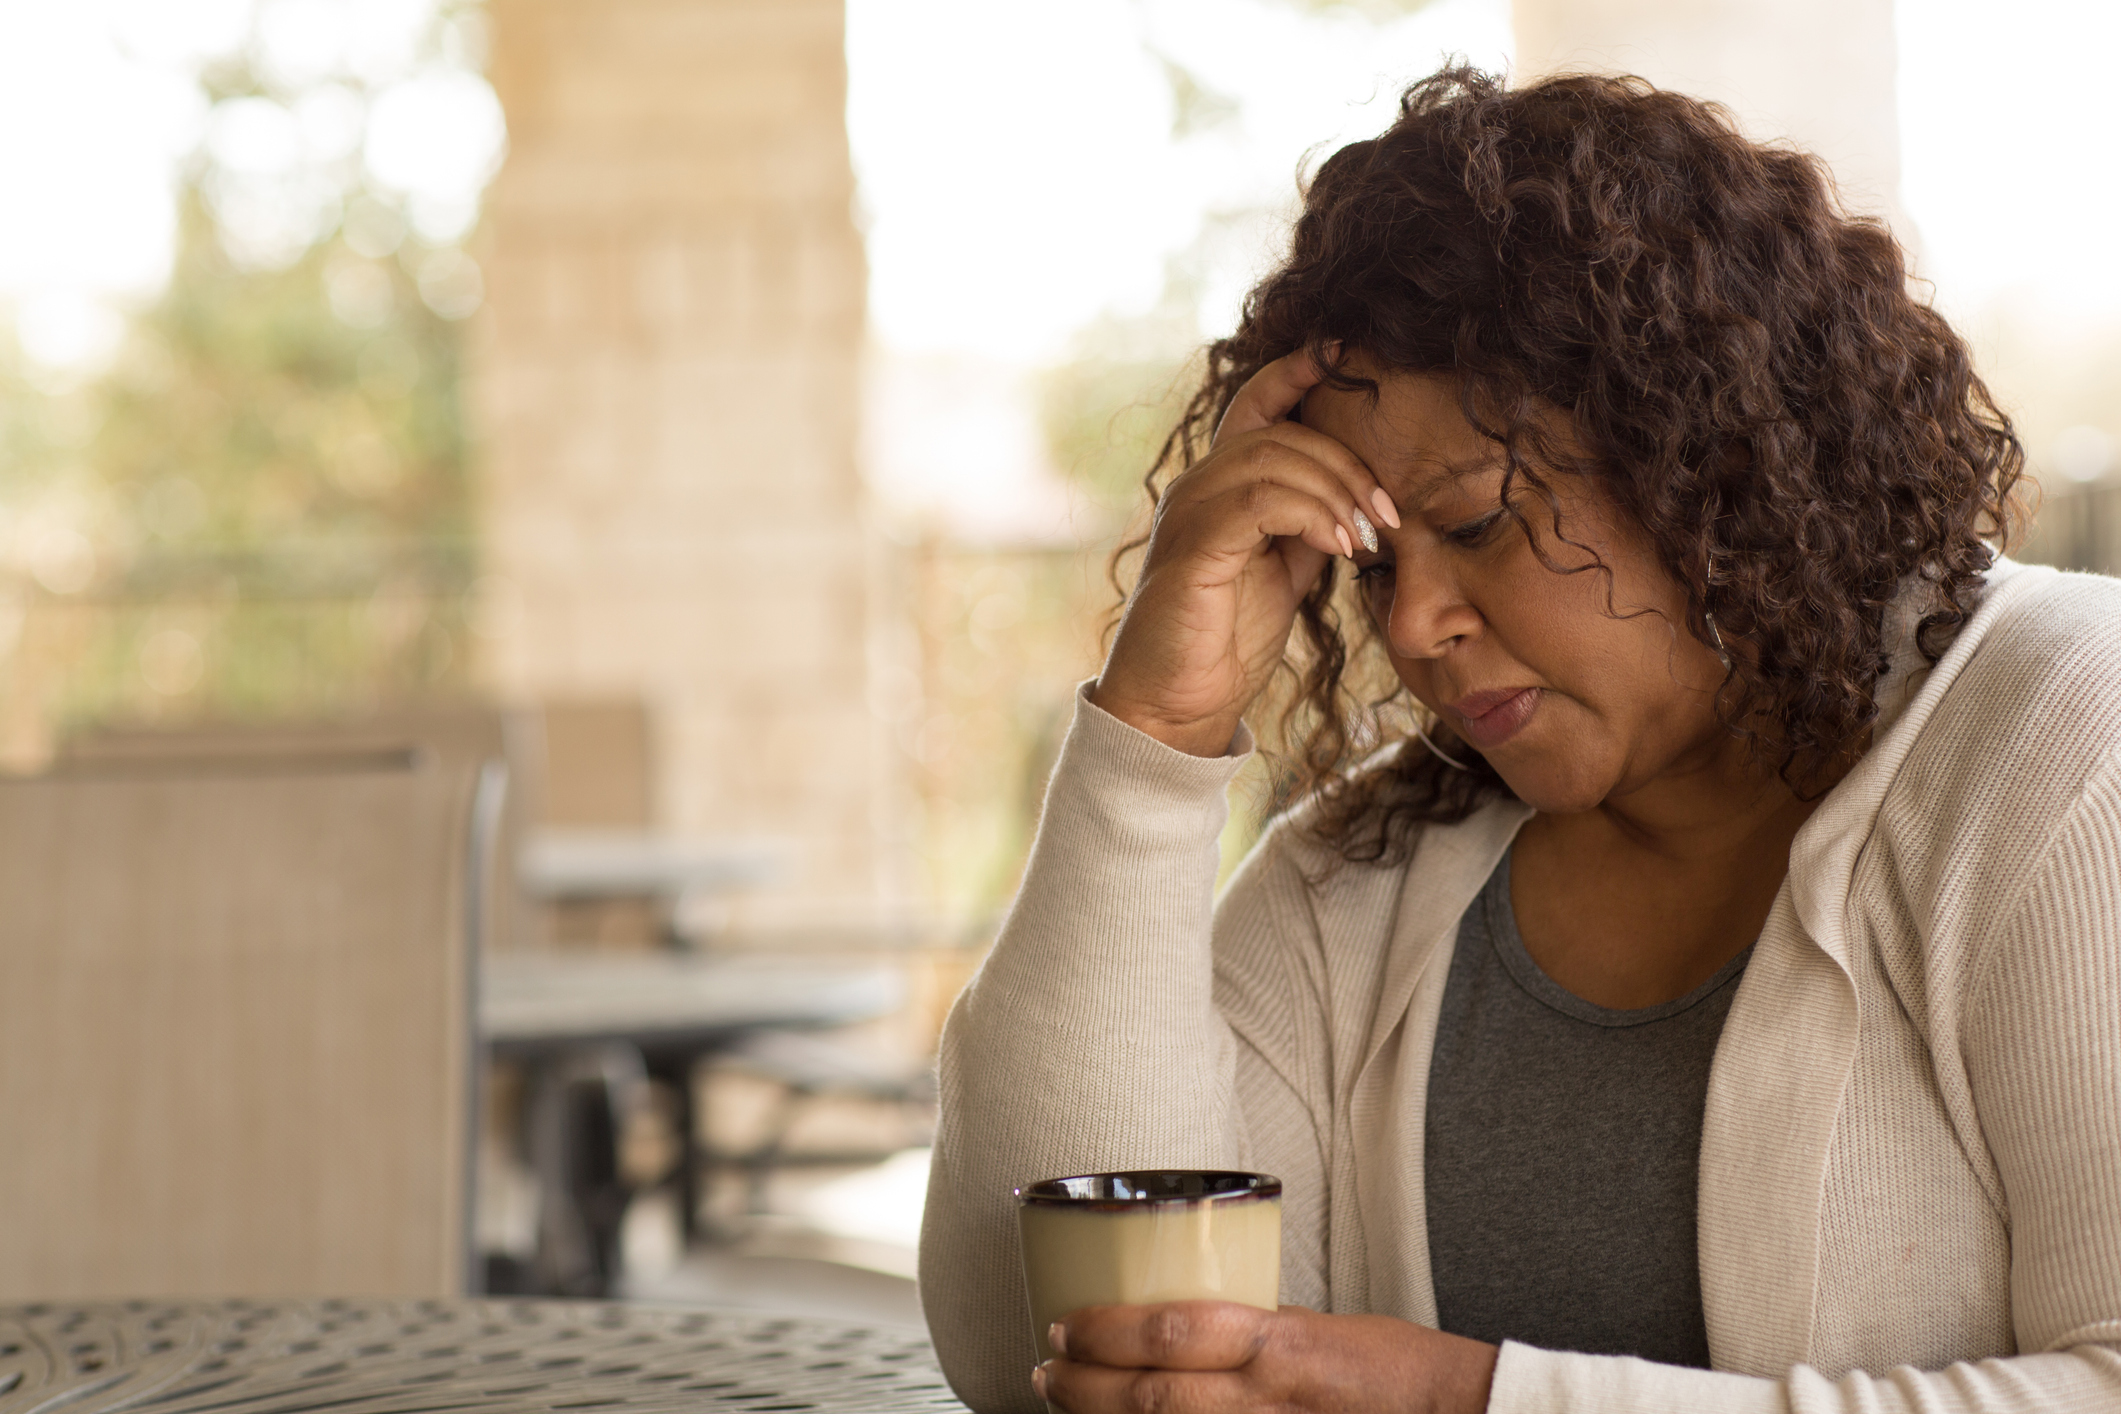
(2008, 139)
(1017, 161)
(97, 108)
(1018, 170)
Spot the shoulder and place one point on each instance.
(2021, 719)
(2039, 689)
(1298, 879)
(1296, 858)
(1293, 874)
(2050, 625)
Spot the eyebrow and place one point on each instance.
(1433, 478)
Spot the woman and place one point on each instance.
(1713, 1002)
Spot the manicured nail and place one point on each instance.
(1038, 1381)
(1057, 1337)
(1386, 511)
(1365, 531)
(1347, 546)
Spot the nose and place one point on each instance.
(1430, 613)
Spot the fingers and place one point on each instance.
(1270, 395)
(1236, 523)
(1182, 1357)
(1368, 501)
(1203, 1357)
(1176, 1335)
(1299, 459)
(1078, 1388)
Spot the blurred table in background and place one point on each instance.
(592, 1030)
(516, 1357)
(534, 1003)
(677, 875)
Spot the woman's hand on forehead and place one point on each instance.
(1240, 538)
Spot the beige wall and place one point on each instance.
(1817, 71)
(666, 391)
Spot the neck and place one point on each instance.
(1720, 805)
(1643, 898)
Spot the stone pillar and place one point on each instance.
(666, 393)
(1820, 72)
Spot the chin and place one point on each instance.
(1555, 787)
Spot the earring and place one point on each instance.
(1439, 753)
(1716, 638)
(1723, 655)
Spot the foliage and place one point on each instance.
(261, 505)
(1104, 415)
(1106, 407)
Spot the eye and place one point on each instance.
(1373, 574)
(1473, 532)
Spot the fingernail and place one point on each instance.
(1365, 530)
(1386, 511)
(1057, 1337)
(1038, 1381)
(1347, 546)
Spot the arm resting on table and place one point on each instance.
(1089, 1041)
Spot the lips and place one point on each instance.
(1488, 719)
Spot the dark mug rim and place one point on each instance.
(1133, 1189)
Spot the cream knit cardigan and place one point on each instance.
(1911, 1156)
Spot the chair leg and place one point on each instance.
(767, 1157)
(579, 1100)
(677, 1072)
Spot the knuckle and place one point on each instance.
(1168, 1332)
(1248, 1328)
(1279, 1338)
(1153, 1392)
(1255, 496)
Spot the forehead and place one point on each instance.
(1412, 433)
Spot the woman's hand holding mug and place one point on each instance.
(1239, 539)
(1217, 1357)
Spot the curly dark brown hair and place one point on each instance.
(1744, 367)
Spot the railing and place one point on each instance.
(208, 650)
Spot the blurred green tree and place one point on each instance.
(1106, 410)
(261, 505)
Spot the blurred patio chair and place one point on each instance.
(598, 871)
(591, 772)
(596, 764)
(462, 736)
(236, 1037)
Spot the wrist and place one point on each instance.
(1471, 1378)
(1207, 737)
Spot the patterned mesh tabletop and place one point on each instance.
(458, 1357)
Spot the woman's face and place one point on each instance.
(1573, 698)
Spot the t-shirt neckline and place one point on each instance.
(1499, 919)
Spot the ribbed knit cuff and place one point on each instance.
(1134, 766)
(1529, 1380)
(1127, 791)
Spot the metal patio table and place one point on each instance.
(458, 1356)
(568, 1019)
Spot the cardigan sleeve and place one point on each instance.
(1088, 1042)
(2042, 1048)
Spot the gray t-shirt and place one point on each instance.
(1563, 1143)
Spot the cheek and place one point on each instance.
(1559, 624)
(1604, 632)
